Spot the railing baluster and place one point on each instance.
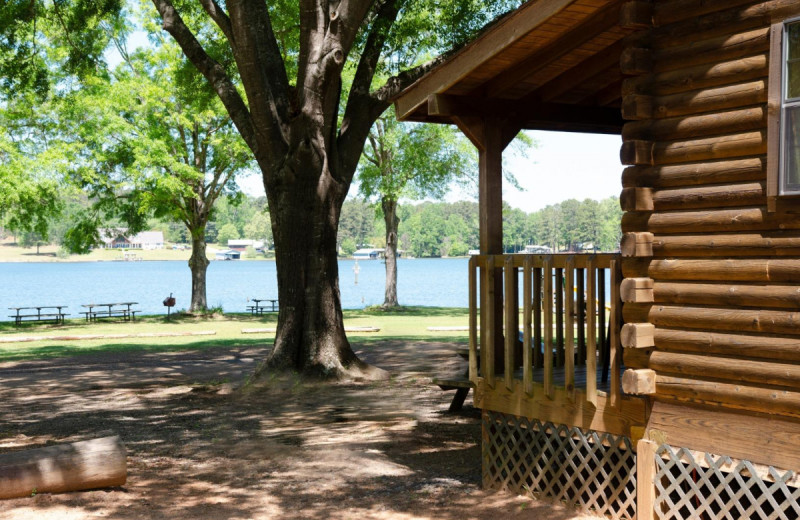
(487, 351)
(537, 318)
(581, 305)
(601, 321)
(569, 346)
(527, 362)
(510, 312)
(547, 308)
(473, 320)
(559, 292)
(615, 323)
(591, 333)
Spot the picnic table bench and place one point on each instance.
(112, 310)
(259, 309)
(20, 315)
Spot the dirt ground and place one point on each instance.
(200, 448)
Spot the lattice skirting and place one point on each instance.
(703, 486)
(591, 470)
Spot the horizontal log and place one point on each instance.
(635, 267)
(636, 244)
(636, 199)
(709, 221)
(757, 399)
(82, 465)
(685, 127)
(638, 335)
(709, 148)
(726, 295)
(635, 61)
(636, 15)
(775, 270)
(726, 368)
(738, 244)
(639, 382)
(714, 319)
(700, 101)
(719, 23)
(697, 174)
(697, 77)
(748, 194)
(665, 13)
(774, 348)
(636, 290)
(696, 51)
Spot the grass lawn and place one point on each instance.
(406, 323)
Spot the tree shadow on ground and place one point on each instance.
(284, 448)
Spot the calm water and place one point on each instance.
(429, 282)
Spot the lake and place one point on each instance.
(429, 282)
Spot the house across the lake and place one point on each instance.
(230, 254)
(243, 243)
(118, 238)
(368, 253)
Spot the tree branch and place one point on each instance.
(220, 18)
(213, 72)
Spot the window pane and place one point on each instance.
(793, 41)
(791, 178)
(793, 81)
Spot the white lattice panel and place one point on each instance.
(718, 487)
(591, 470)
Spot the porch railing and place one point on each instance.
(567, 320)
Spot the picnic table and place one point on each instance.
(112, 310)
(20, 315)
(258, 308)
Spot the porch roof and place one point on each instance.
(551, 65)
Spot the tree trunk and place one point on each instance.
(392, 221)
(310, 338)
(198, 263)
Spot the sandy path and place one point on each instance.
(196, 449)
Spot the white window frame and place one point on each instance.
(785, 104)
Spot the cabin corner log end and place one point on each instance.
(92, 464)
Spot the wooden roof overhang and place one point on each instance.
(549, 65)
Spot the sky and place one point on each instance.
(561, 166)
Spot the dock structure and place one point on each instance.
(683, 401)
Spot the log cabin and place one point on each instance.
(683, 399)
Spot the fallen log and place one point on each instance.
(91, 464)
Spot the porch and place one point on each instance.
(565, 365)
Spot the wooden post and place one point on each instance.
(537, 318)
(559, 292)
(645, 479)
(490, 136)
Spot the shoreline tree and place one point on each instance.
(414, 161)
(166, 147)
(278, 70)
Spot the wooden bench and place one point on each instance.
(57, 316)
(461, 385)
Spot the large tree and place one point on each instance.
(278, 69)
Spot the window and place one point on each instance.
(789, 178)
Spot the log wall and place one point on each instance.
(713, 308)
